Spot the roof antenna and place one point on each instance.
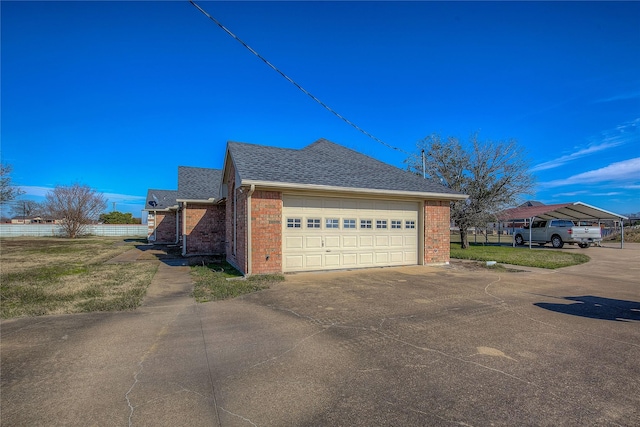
(424, 169)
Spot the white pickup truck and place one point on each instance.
(558, 232)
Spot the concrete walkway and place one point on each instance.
(147, 367)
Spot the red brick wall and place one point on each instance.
(204, 229)
(436, 232)
(165, 227)
(266, 232)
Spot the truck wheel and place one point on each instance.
(556, 241)
(519, 240)
(583, 245)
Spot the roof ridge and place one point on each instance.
(200, 167)
(271, 147)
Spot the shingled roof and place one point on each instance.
(159, 200)
(198, 183)
(327, 164)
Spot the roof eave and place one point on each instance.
(210, 200)
(368, 191)
(167, 209)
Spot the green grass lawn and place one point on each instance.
(542, 258)
(218, 281)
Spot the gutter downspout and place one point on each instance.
(155, 226)
(251, 190)
(184, 228)
(177, 226)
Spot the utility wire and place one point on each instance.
(293, 82)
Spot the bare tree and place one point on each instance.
(26, 208)
(76, 206)
(8, 191)
(492, 174)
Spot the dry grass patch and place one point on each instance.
(54, 276)
(218, 281)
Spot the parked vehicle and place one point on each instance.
(558, 232)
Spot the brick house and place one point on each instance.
(162, 216)
(328, 207)
(202, 213)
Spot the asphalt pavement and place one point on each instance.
(408, 346)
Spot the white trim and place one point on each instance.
(367, 191)
(211, 200)
(248, 244)
(184, 228)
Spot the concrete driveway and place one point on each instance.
(415, 346)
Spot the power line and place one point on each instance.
(293, 82)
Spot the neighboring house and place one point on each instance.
(328, 207)
(202, 213)
(162, 218)
(33, 220)
(21, 220)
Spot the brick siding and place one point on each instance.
(266, 232)
(165, 227)
(204, 229)
(436, 232)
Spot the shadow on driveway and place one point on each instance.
(595, 307)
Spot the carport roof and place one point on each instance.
(575, 211)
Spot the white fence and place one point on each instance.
(15, 230)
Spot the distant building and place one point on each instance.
(33, 220)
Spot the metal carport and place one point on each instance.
(576, 211)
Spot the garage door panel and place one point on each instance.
(366, 241)
(410, 257)
(293, 261)
(396, 257)
(327, 247)
(332, 241)
(313, 242)
(365, 258)
(349, 259)
(382, 241)
(382, 257)
(411, 241)
(349, 241)
(313, 260)
(332, 260)
(293, 242)
(397, 240)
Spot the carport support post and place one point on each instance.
(530, 231)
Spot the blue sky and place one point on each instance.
(117, 95)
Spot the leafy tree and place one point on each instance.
(76, 206)
(8, 191)
(116, 217)
(27, 208)
(492, 174)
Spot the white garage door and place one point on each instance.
(334, 233)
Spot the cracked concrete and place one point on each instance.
(400, 346)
